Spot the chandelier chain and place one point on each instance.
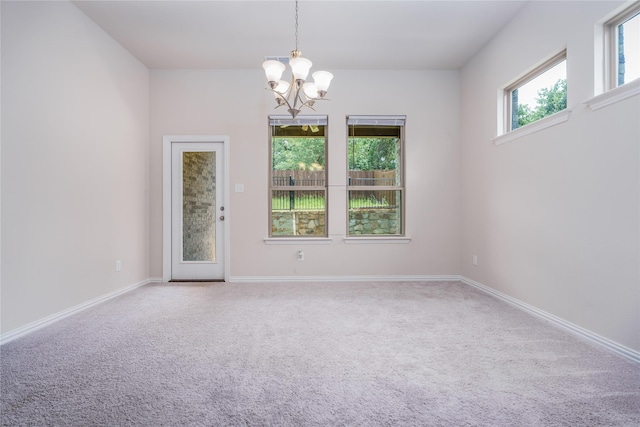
(296, 25)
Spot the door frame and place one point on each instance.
(167, 143)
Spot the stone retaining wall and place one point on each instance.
(297, 223)
(383, 221)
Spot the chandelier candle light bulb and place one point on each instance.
(273, 70)
(298, 93)
(323, 80)
(299, 66)
(310, 90)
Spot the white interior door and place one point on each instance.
(197, 211)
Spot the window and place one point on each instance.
(298, 183)
(538, 94)
(375, 185)
(622, 35)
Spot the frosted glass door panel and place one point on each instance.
(199, 206)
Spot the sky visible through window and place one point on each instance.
(528, 92)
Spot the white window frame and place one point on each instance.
(299, 120)
(526, 78)
(505, 134)
(607, 92)
(381, 238)
(611, 45)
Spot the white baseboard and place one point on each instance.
(38, 324)
(248, 279)
(568, 326)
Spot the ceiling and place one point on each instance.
(237, 34)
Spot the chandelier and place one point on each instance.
(297, 93)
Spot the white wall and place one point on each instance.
(74, 162)
(235, 103)
(554, 217)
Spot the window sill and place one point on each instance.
(297, 240)
(547, 122)
(384, 240)
(614, 95)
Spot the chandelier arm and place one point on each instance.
(280, 96)
(309, 103)
(297, 97)
(306, 104)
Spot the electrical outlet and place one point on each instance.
(475, 260)
(118, 265)
(300, 256)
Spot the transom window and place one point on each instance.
(540, 93)
(298, 180)
(375, 186)
(623, 47)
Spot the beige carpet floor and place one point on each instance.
(312, 354)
